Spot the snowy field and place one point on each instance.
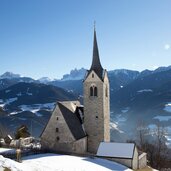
(167, 107)
(163, 118)
(54, 162)
(7, 150)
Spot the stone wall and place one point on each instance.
(142, 160)
(135, 159)
(125, 162)
(57, 136)
(56, 132)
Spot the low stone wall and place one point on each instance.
(142, 160)
(79, 146)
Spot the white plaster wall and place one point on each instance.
(135, 159)
(142, 160)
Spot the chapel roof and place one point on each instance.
(71, 111)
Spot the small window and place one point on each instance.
(57, 138)
(57, 130)
(106, 92)
(95, 91)
(92, 75)
(91, 91)
(97, 117)
(57, 118)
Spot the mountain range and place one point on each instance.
(134, 96)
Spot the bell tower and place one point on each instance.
(96, 102)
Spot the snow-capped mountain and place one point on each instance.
(30, 104)
(44, 80)
(8, 79)
(134, 95)
(9, 75)
(76, 74)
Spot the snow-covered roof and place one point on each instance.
(117, 150)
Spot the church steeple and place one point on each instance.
(96, 103)
(96, 65)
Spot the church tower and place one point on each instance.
(96, 102)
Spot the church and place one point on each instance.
(77, 129)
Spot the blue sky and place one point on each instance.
(51, 37)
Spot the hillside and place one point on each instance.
(134, 96)
(30, 104)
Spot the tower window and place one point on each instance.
(96, 117)
(92, 75)
(106, 92)
(93, 91)
(57, 130)
(57, 118)
(57, 138)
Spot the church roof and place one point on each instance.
(69, 110)
(116, 150)
(96, 64)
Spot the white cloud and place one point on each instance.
(167, 46)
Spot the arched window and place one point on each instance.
(95, 91)
(91, 91)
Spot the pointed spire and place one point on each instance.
(96, 65)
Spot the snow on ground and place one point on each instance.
(144, 90)
(162, 118)
(167, 107)
(125, 110)
(30, 94)
(2, 105)
(168, 135)
(7, 150)
(7, 91)
(34, 108)
(14, 113)
(55, 162)
(19, 94)
(120, 119)
(12, 165)
(8, 101)
(113, 125)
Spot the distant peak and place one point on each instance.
(10, 75)
(44, 79)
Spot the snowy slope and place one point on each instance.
(55, 162)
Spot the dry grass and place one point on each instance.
(147, 168)
(7, 169)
